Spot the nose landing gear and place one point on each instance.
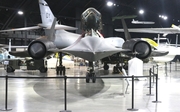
(90, 75)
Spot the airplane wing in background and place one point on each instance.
(151, 30)
(21, 29)
(57, 27)
(62, 27)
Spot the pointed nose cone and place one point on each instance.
(37, 50)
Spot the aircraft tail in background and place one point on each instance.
(126, 32)
(47, 18)
(46, 13)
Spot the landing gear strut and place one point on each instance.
(116, 68)
(60, 69)
(106, 66)
(90, 73)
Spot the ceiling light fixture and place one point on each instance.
(109, 3)
(20, 12)
(141, 11)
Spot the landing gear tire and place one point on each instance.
(87, 78)
(43, 69)
(9, 69)
(60, 70)
(93, 78)
(106, 67)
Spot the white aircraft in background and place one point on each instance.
(173, 49)
(4, 53)
(165, 45)
(141, 22)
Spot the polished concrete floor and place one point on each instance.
(106, 95)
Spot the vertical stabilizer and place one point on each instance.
(126, 32)
(46, 13)
(50, 33)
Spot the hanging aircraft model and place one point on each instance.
(174, 30)
(91, 45)
(165, 31)
(141, 22)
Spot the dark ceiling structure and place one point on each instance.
(68, 12)
(65, 10)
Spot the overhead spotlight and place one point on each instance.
(141, 11)
(109, 3)
(20, 12)
(163, 17)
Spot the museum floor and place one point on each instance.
(106, 95)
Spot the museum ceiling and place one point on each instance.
(66, 11)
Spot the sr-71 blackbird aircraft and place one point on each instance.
(91, 45)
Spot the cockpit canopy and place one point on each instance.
(91, 19)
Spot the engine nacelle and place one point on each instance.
(38, 49)
(142, 49)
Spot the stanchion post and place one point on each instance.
(170, 66)
(166, 68)
(157, 72)
(6, 95)
(153, 73)
(65, 95)
(150, 83)
(132, 109)
(156, 90)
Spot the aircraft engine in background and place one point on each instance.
(140, 48)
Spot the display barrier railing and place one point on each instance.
(65, 87)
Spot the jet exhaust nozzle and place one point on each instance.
(38, 49)
(141, 49)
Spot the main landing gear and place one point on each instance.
(106, 66)
(60, 69)
(90, 75)
(117, 68)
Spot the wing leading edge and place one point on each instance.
(152, 30)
